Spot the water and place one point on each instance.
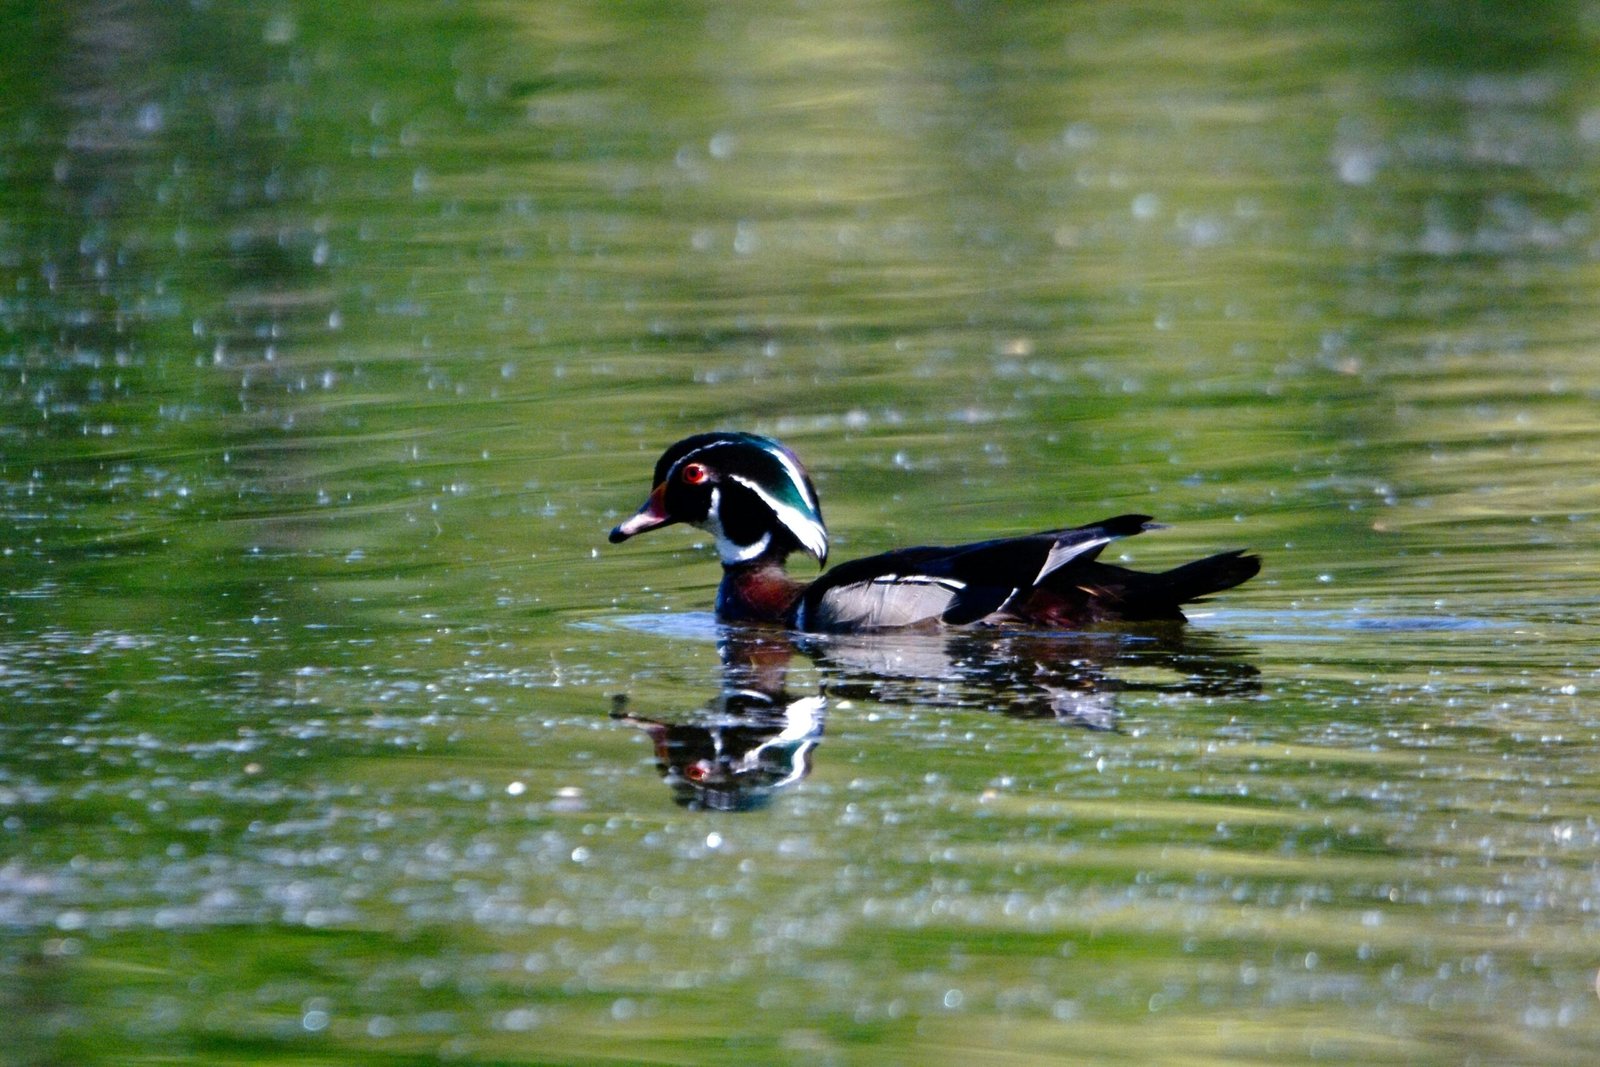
(335, 340)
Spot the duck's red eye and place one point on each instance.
(694, 473)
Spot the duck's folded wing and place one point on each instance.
(952, 585)
(1081, 544)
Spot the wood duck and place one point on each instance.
(754, 497)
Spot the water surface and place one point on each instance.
(335, 339)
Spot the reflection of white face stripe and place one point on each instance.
(806, 530)
(802, 721)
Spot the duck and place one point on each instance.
(756, 500)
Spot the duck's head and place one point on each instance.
(748, 492)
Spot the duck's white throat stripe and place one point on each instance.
(731, 551)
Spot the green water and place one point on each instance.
(333, 338)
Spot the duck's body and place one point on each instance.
(755, 498)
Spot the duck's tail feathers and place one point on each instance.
(1213, 574)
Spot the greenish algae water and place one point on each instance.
(333, 339)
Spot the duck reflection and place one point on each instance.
(1073, 678)
(756, 737)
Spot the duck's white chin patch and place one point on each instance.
(730, 551)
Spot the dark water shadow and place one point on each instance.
(756, 736)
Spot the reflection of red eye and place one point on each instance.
(694, 473)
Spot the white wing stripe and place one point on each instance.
(1063, 553)
(955, 584)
